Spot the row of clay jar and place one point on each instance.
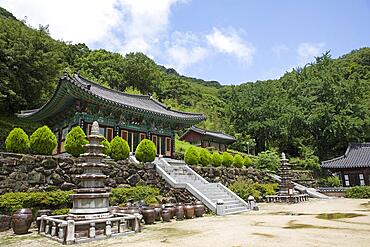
(166, 212)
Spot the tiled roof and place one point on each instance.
(79, 87)
(356, 156)
(215, 134)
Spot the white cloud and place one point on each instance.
(70, 20)
(279, 50)
(184, 50)
(307, 51)
(120, 25)
(230, 42)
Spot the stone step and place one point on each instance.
(233, 205)
(235, 209)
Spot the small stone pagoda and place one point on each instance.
(91, 217)
(286, 186)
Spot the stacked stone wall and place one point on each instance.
(23, 172)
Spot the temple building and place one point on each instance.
(79, 101)
(353, 167)
(207, 138)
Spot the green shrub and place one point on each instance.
(119, 149)
(17, 141)
(227, 159)
(106, 144)
(35, 200)
(332, 181)
(43, 141)
(216, 159)
(137, 193)
(146, 151)
(204, 157)
(75, 141)
(61, 211)
(268, 160)
(192, 156)
(358, 192)
(247, 161)
(244, 188)
(238, 161)
(60, 200)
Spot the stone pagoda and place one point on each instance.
(286, 186)
(90, 218)
(285, 176)
(91, 200)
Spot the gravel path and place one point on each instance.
(274, 225)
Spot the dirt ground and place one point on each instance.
(309, 223)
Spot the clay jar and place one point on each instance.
(166, 215)
(171, 208)
(189, 211)
(199, 209)
(179, 211)
(40, 213)
(148, 215)
(21, 221)
(158, 212)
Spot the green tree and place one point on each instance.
(141, 72)
(268, 160)
(227, 159)
(216, 159)
(106, 144)
(119, 149)
(247, 161)
(192, 156)
(204, 157)
(17, 141)
(75, 141)
(146, 151)
(238, 161)
(43, 141)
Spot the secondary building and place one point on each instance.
(79, 101)
(207, 138)
(354, 166)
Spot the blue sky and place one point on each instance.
(228, 41)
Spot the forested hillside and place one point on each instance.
(316, 109)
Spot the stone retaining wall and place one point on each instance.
(21, 172)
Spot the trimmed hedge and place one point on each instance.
(146, 151)
(60, 200)
(43, 141)
(227, 159)
(191, 156)
(106, 144)
(75, 141)
(204, 157)
(247, 161)
(137, 193)
(17, 141)
(119, 149)
(238, 161)
(216, 159)
(358, 192)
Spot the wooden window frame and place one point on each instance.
(126, 133)
(142, 136)
(168, 144)
(108, 131)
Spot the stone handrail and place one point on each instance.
(232, 193)
(194, 191)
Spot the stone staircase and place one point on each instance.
(179, 175)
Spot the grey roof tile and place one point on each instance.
(356, 156)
